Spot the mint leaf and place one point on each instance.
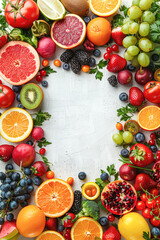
(40, 118)
(93, 70)
(99, 75)
(101, 183)
(126, 113)
(48, 70)
(102, 64)
(111, 170)
(43, 143)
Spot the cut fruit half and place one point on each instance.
(86, 228)
(50, 235)
(69, 32)
(52, 9)
(16, 124)
(31, 96)
(90, 190)
(55, 197)
(149, 118)
(19, 62)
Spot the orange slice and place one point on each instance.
(86, 228)
(104, 8)
(149, 118)
(50, 235)
(55, 197)
(16, 124)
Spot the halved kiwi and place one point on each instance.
(31, 96)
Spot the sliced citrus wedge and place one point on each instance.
(52, 9)
(90, 191)
(16, 124)
(50, 235)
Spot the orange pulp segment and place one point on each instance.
(50, 235)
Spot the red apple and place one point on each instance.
(143, 76)
(124, 77)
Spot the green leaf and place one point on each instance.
(126, 113)
(101, 206)
(101, 183)
(146, 236)
(102, 64)
(117, 21)
(155, 31)
(45, 160)
(43, 143)
(3, 23)
(99, 75)
(4, 2)
(93, 70)
(116, 176)
(124, 9)
(158, 15)
(111, 170)
(40, 118)
(102, 171)
(48, 70)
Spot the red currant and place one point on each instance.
(115, 48)
(42, 151)
(107, 56)
(39, 78)
(151, 142)
(111, 218)
(43, 73)
(67, 236)
(153, 136)
(68, 230)
(158, 153)
(0, 81)
(109, 50)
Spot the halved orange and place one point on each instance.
(55, 197)
(16, 124)
(50, 235)
(86, 228)
(90, 190)
(149, 118)
(104, 8)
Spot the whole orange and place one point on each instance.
(31, 221)
(99, 31)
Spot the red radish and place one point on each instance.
(39, 168)
(24, 155)
(37, 133)
(51, 224)
(143, 76)
(118, 36)
(124, 77)
(6, 152)
(116, 63)
(144, 181)
(46, 47)
(136, 96)
(127, 173)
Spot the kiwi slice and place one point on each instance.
(31, 96)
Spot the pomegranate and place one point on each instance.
(119, 197)
(127, 173)
(156, 173)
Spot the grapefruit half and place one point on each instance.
(19, 62)
(69, 32)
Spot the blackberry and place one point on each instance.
(76, 207)
(66, 56)
(83, 57)
(75, 65)
(113, 81)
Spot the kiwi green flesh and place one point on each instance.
(31, 96)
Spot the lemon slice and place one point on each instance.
(52, 9)
(90, 191)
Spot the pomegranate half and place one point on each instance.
(156, 173)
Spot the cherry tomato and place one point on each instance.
(115, 48)
(143, 197)
(88, 192)
(111, 218)
(51, 224)
(7, 96)
(67, 220)
(106, 56)
(85, 68)
(39, 168)
(42, 151)
(147, 213)
(153, 136)
(45, 62)
(140, 205)
(109, 50)
(154, 191)
(43, 73)
(158, 201)
(57, 63)
(155, 222)
(151, 142)
(26, 13)
(70, 181)
(156, 211)
(50, 175)
(39, 78)
(119, 126)
(151, 203)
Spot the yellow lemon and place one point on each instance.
(132, 225)
(90, 191)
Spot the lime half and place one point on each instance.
(52, 9)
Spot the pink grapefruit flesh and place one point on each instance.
(69, 32)
(19, 62)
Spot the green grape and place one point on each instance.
(134, 12)
(144, 29)
(127, 56)
(135, 3)
(127, 137)
(135, 62)
(133, 28)
(126, 20)
(143, 59)
(133, 50)
(145, 4)
(148, 17)
(129, 41)
(145, 45)
(117, 138)
(125, 27)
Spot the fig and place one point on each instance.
(79, 7)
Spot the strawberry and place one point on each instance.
(116, 63)
(144, 181)
(118, 36)
(140, 155)
(136, 97)
(111, 234)
(67, 220)
(6, 152)
(3, 38)
(51, 224)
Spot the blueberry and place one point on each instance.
(66, 66)
(103, 221)
(13, 204)
(20, 198)
(30, 189)
(1, 221)
(27, 196)
(30, 143)
(92, 62)
(155, 57)
(18, 97)
(154, 148)
(37, 181)
(123, 97)
(155, 231)
(20, 106)
(61, 228)
(16, 176)
(3, 194)
(82, 175)
(7, 187)
(139, 137)
(44, 83)
(9, 167)
(8, 194)
(125, 153)
(87, 19)
(94, 16)
(7, 180)
(18, 191)
(130, 67)
(3, 205)
(96, 52)
(2, 176)
(9, 175)
(27, 171)
(23, 183)
(24, 204)
(13, 185)
(29, 181)
(10, 217)
(16, 89)
(104, 176)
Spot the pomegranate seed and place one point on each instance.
(115, 48)
(39, 78)
(107, 56)
(42, 151)
(111, 218)
(43, 73)
(109, 50)
(151, 142)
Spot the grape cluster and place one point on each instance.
(137, 27)
(16, 188)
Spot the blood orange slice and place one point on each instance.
(19, 62)
(69, 32)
